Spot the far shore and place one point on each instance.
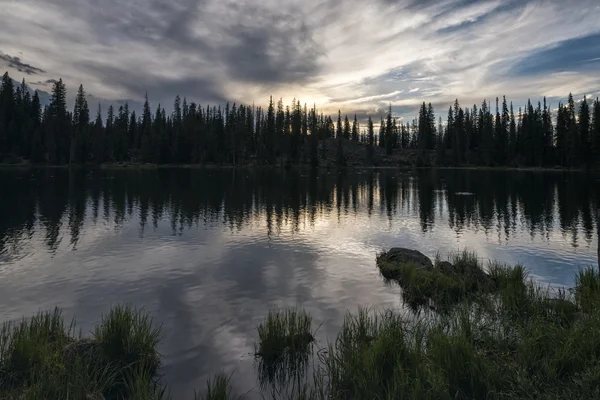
(147, 166)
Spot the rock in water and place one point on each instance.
(401, 255)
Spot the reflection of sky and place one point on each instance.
(210, 285)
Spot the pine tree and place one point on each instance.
(573, 139)
(355, 129)
(423, 127)
(547, 135)
(371, 139)
(338, 130)
(57, 126)
(440, 148)
(486, 133)
(146, 133)
(270, 134)
(389, 132)
(37, 141)
(346, 132)
(81, 121)
(584, 132)
(7, 103)
(512, 135)
(562, 128)
(98, 138)
(595, 133)
(381, 141)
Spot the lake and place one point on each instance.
(208, 251)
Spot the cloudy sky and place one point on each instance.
(356, 55)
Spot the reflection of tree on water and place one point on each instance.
(501, 203)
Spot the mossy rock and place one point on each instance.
(399, 255)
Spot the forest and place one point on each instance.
(233, 134)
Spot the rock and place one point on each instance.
(401, 255)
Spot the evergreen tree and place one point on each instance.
(7, 100)
(81, 122)
(37, 142)
(512, 135)
(57, 126)
(595, 133)
(440, 148)
(562, 129)
(371, 139)
(346, 132)
(98, 138)
(573, 138)
(389, 132)
(355, 129)
(381, 134)
(338, 130)
(270, 136)
(584, 132)
(146, 133)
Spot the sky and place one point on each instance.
(355, 55)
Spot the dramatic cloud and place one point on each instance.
(44, 83)
(16, 63)
(356, 55)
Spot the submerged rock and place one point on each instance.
(401, 255)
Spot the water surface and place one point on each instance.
(207, 252)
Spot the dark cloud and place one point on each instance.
(44, 83)
(161, 89)
(250, 42)
(16, 63)
(279, 49)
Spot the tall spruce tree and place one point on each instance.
(595, 132)
(79, 135)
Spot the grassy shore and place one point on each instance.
(478, 332)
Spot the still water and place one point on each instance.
(207, 252)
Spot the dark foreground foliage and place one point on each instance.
(41, 358)
(504, 337)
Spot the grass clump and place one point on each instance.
(284, 332)
(218, 388)
(41, 358)
(285, 339)
(441, 286)
(587, 289)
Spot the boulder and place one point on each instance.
(399, 255)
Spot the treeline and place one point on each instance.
(239, 134)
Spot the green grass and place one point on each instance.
(441, 287)
(284, 332)
(504, 338)
(42, 358)
(285, 340)
(218, 388)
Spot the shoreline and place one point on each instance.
(149, 166)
